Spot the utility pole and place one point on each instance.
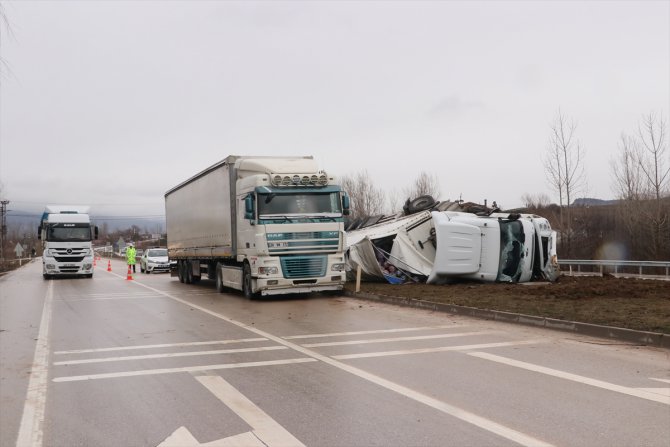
(3, 227)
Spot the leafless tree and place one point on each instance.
(366, 199)
(563, 164)
(626, 170)
(535, 201)
(424, 184)
(652, 133)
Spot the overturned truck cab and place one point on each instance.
(446, 246)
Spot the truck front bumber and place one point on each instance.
(280, 275)
(52, 267)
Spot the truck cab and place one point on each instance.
(67, 234)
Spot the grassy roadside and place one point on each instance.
(626, 303)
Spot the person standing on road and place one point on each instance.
(130, 256)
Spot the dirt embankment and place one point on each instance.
(640, 304)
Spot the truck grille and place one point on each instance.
(303, 242)
(304, 266)
(69, 258)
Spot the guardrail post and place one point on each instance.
(640, 270)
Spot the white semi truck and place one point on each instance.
(262, 225)
(446, 246)
(67, 234)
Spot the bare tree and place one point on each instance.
(564, 166)
(366, 199)
(535, 201)
(626, 170)
(424, 184)
(651, 155)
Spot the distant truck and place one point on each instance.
(67, 234)
(262, 225)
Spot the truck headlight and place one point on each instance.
(268, 270)
(337, 268)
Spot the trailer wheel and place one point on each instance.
(188, 272)
(219, 278)
(180, 271)
(246, 282)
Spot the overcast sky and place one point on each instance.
(113, 103)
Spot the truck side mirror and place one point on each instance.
(345, 204)
(96, 232)
(249, 210)
(39, 232)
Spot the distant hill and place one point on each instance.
(31, 219)
(587, 201)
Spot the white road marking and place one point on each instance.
(438, 349)
(182, 437)
(264, 427)
(168, 355)
(115, 298)
(166, 345)
(32, 421)
(573, 377)
(148, 372)
(660, 391)
(378, 331)
(661, 380)
(459, 413)
(394, 339)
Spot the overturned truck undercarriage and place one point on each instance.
(443, 243)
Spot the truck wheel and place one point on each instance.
(46, 276)
(219, 278)
(180, 271)
(188, 272)
(246, 282)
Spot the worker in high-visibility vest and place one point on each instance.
(130, 256)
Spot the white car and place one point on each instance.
(155, 260)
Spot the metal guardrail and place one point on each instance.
(614, 266)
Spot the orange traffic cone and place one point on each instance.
(94, 264)
(130, 275)
(109, 266)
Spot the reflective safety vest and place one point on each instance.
(130, 255)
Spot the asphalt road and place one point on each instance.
(152, 362)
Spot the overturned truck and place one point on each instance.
(439, 245)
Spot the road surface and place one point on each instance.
(153, 362)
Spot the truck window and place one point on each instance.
(512, 239)
(307, 203)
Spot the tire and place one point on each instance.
(188, 272)
(421, 203)
(46, 276)
(90, 275)
(219, 278)
(246, 282)
(180, 271)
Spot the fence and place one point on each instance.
(615, 266)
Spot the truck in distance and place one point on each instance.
(262, 225)
(66, 233)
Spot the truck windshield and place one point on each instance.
(69, 233)
(512, 239)
(325, 204)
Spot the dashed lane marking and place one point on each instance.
(438, 349)
(636, 392)
(394, 339)
(377, 331)
(148, 372)
(168, 355)
(166, 345)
